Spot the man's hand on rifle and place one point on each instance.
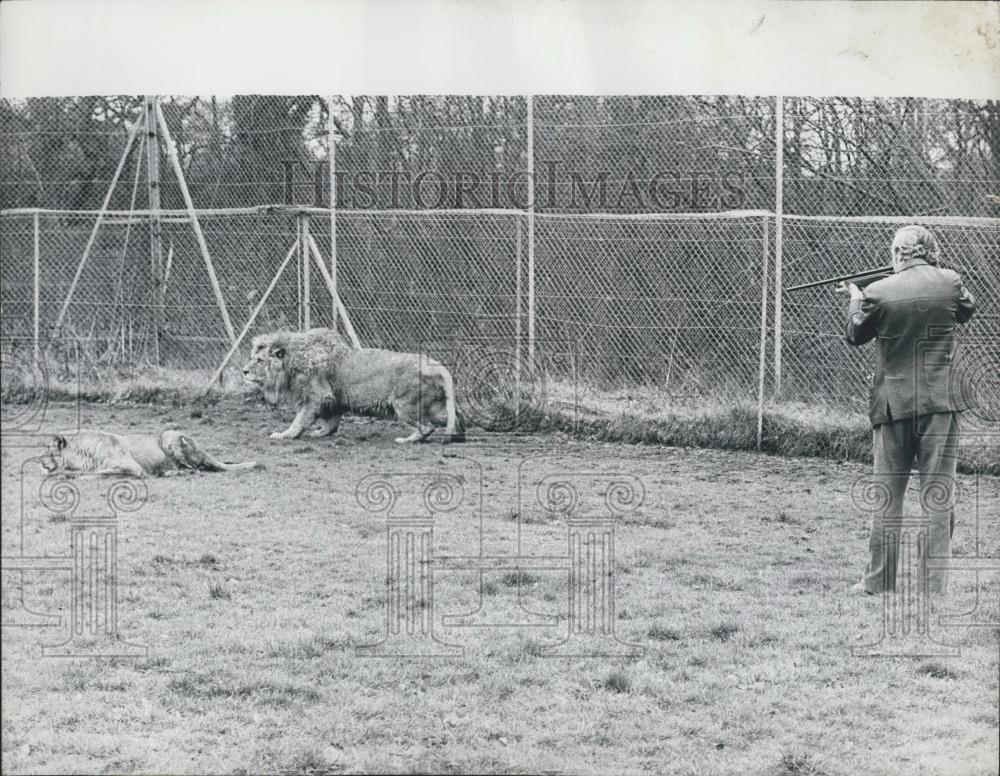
(850, 290)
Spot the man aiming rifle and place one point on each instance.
(860, 279)
(916, 396)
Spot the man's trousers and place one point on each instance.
(933, 441)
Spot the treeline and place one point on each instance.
(842, 156)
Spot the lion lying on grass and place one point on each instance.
(133, 455)
(327, 378)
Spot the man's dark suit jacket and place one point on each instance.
(912, 314)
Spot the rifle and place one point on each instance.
(860, 279)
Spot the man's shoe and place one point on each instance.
(859, 589)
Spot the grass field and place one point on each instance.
(252, 591)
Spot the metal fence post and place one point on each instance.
(531, 230)
(298, 273)
(155, 239)
(193, 215)
(517, 321)
(101, 214)
(35, 285)
(304, 252)
(779, 172)
(155, 236)
(332, 156)
(762, 369)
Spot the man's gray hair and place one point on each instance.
(916, 242)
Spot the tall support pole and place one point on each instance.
(517, 317)
(762, 369)
(217, 377)
(132, 133)
(779, 168)
(531, 229)
(93, 610)
(155, 229)
(318, 257)
(304, 254)
(36, 283)
(193, 215)
(298, 275)
(332, 155)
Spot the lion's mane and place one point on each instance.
(307, 356)
(320, 368)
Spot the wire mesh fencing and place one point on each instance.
(665, 302)
(671, 302)
(908, 156)
(642, 251)
(842, 156)
(653, 154)
(411, 278)
(638, 154)
(106, 298)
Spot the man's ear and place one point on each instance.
(277, 351)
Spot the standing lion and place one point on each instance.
(327, 378)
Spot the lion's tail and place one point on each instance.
(236, 467)
(209, 463)
(432, 368)
(188, 454)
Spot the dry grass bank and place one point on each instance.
(643, 417)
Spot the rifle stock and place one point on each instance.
(860, 279)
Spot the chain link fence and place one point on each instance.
(409, 279)
(620, 289)
(111, 310)
(665, 302)
(647, 243)
(849, 156)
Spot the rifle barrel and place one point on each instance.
(868, 273)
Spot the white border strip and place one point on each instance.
(762, 47)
